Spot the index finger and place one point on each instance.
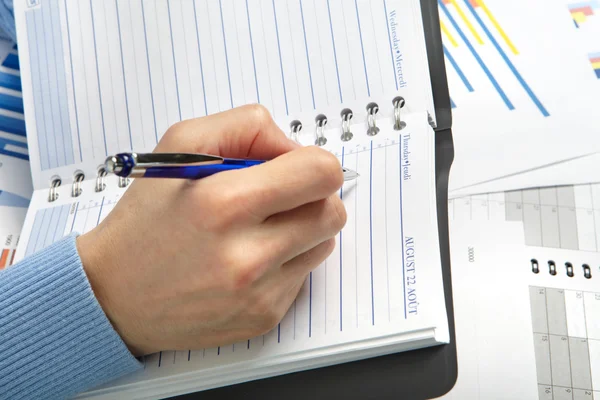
(243, 132)
(289, 181)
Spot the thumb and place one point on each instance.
(243, 132)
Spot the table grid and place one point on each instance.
(566, 337)
(566, 217)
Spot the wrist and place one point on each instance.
(97, 262)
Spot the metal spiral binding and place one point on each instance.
(372, 110)
(123, 182)
(569, 269)
(552, 267)
(295, 127)
(587, 271)
(76, 189)
(346, 115)
(53, 194)
(321, 121)
(398, 103)
(100, 185)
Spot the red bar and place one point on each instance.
(595, 60)
(474, 3)
(4, 258)
(585, 10)
(12, 258)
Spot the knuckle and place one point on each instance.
(175, 129)
(260, 114)
(267, 312)
(246, 267)
(313, 257)
(329, 246)
(328, 169)
(336, 213)
(223, 208)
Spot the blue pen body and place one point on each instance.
(198, 171)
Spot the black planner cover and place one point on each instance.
(418, 374)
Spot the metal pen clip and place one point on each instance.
(135, 164)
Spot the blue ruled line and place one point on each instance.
(100, 212)
(334, 53)
(252, 50)
(52, 72)
(510, 65)
(226, 56)
(74, 217)
(73, 80)
(459, 71)
(173, 54)
(35, 231)
(310, 306)
(371, 229)
(65, 112)
(200, 55)
(401, 222)
(477, 57)
(387, 24)
(149, 71)
(98, 77)
(341, 263)
(280, 60)
(362, 48)
(123, 69)
(312, 92)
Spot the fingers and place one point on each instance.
(298, 267)
(296, 178)
(243, 132)
(299, 230)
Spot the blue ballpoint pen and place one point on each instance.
(180, 165)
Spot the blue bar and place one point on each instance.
(10, 81)
(11, 103)
(452, 103)
(598, 73)
(458, 70)
(11, 61)
(12, 125)
(476, 55)
(510, 65)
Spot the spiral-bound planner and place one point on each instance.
(351, 77)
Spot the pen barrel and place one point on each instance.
(198, 171)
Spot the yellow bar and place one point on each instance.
(448, 34)
(466, 21)
(497, 25)
(579, 17)
(596, 65)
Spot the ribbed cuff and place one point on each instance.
(55, 340)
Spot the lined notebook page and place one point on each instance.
(382, 282)
(102, 77)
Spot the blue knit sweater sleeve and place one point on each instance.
(55, 340)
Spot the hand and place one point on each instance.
(183, 265)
